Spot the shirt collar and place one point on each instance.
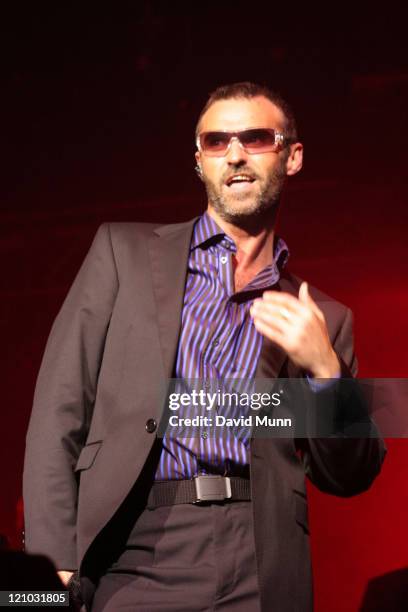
(206, 229)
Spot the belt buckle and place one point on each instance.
(212, 487)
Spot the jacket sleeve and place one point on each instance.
(344, 464)
(63, 404)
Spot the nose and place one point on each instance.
(235, 153)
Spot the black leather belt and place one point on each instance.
(200, 489)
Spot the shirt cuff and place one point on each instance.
(317, 385)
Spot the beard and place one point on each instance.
(241, 208)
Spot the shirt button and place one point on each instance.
(204, 435)
(224, 259)
(216, 343)
(151, 425)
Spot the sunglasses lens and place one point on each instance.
(258, 140)
(214, 142)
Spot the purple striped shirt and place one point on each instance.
(217, 341)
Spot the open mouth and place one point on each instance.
(240, 179)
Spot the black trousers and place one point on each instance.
(185, 558)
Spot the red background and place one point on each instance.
(100, 110)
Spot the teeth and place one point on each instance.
(240, 177)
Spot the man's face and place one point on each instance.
(240, 199)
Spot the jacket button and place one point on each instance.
(151, 425)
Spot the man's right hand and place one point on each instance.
(65, 576)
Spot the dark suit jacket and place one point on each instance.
(111, 347)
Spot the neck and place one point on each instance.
(253, 238)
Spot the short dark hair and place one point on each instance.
(247, 89)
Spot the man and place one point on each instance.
(208, 299)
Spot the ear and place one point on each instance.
(198, 168)
(294, 162)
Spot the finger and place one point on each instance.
(285, 300)
(306, 299)
(273, 313)
(273, 325)
(304, 296)
(270, 332)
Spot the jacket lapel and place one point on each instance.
(169, 250)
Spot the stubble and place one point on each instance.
(240, 208)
